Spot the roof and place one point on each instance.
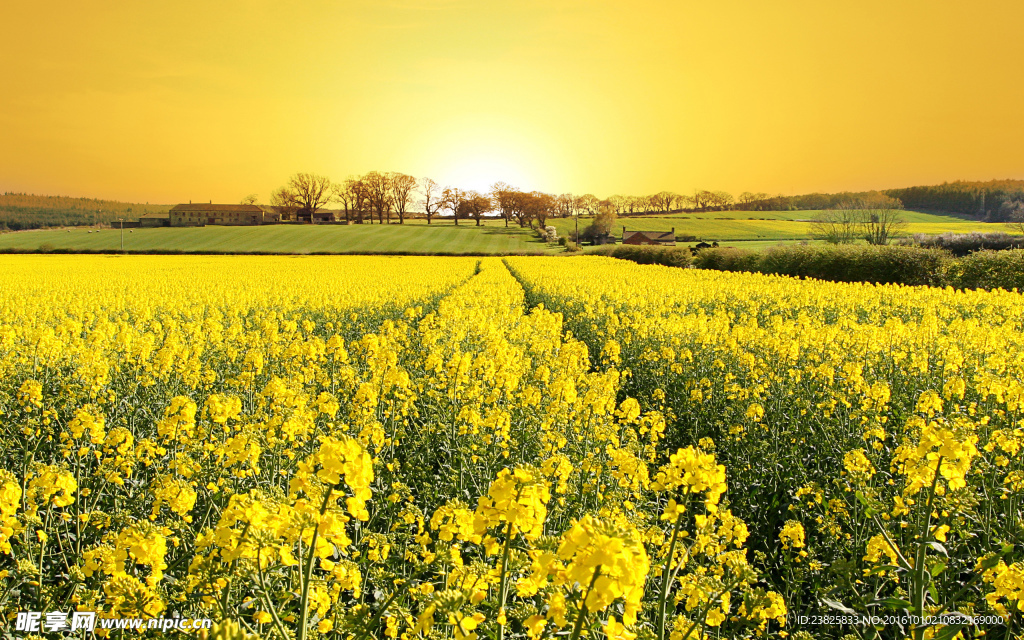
(220, 208)
(660, 236)
(163, 216)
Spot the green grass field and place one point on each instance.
(909, 216)
(732, 226)
(726, 227)
(436, 238)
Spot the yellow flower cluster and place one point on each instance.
(516, 499)
(10, 500)
(604, 563)
(691, 471)
(792, 535)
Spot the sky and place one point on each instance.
(213, 100)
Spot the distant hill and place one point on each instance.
(28, 211)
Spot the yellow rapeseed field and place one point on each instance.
(373, 447)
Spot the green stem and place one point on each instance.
(308, 573)
(704, 614)
(919, 586)
(266, 598)
(502, 585)
(583, 606)
(666, 579)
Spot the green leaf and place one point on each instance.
(892, 603)
(948, 631)
(839, 606)
(938, 547)
(882, 568)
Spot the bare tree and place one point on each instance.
(665, 200)
(619, 202)
(346, 193)
(721, 199)
(882, 220)
(360, 199)
(628, 205)
(309, 192)
(452, 198)
(837, 226)
(401, 193)
(431, 192)
(378, 191)
(702, 199)
(587, 204)
(252, 198)
(565, 205)
(284, 203)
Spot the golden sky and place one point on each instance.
(213, 100)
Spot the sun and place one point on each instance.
(476, 153)
(478, 172)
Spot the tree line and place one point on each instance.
(382, 197)
(992, 201)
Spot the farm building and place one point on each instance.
(663, 238)
(198, 215)
(318, 216)
(154, 220)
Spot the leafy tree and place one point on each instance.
(475, 205)
(537, 207)
(602, 224)
(1012, 211)
(504, 198)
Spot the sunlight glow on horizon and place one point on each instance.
(201, 101)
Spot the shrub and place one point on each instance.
(988, 270)
(880, 264)
(961, 244)
(667, 256)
